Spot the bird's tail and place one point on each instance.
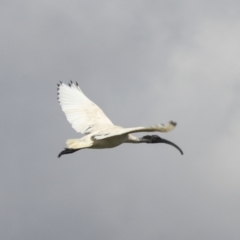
(77, 143)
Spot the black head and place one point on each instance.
(152, 139)
(157, 139)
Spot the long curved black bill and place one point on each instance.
(172, 144)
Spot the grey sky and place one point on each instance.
(143, 62)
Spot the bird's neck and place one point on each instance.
(133, 139)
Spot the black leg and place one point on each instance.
(67, 151)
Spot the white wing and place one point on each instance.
(84, 115)
(116, 131)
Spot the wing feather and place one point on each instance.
(84, 115)
(116, 131)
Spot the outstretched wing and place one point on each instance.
(84, 115)
(116, 131)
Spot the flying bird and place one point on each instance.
(87, 118)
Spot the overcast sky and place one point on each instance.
(143, 62)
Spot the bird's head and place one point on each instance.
(157, 139)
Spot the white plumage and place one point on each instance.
(87, 118)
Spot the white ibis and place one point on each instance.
(87, 118)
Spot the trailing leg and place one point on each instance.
(67, 151)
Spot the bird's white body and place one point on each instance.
(87, 118)
(89, 141)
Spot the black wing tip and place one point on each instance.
(58, 87)
(59, 84)
(173, 123)
(72, 83)
(69, 84)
